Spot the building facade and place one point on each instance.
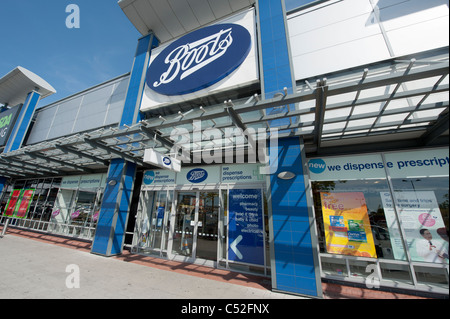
(300, 140)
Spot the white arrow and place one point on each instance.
(234, 248)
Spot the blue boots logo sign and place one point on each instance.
(199, 59)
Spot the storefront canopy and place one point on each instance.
(171, 19)
(15, 86)
(388, 106)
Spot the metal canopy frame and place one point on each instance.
(393, 105)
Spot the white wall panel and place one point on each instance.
(340, 57)
(337, 35)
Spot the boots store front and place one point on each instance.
(304, 141)
(197, 214)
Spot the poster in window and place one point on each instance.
(347, 225)
(24, 203)
(12, 203)
(422, 223)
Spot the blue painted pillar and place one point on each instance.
(23, 121)
(112, 222)
(294, 255)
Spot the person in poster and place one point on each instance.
(429, 250)
(347, 224)
(422, 224)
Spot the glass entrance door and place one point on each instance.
(207, 225)
(196, 224)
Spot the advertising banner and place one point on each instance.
(7, 120)
(19, 203)
(347, 225)
(246, 226)
(422, 224)
(24, 203)
(12, 202)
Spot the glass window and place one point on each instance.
(420, 182)
(403, 219)
(351, 218)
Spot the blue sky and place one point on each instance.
(34, 35)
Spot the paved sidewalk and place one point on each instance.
(34, 265)
(32, 269)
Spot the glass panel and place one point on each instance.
(396, 272)
(435, 276)
(208, 216)
(159, 213)
(63, 206)
(166, 222)
(224, 224)
(370, 227)
(358, 268)
(184, 224)
(144, 218)
(334, 266)
(422, 204)
(83, 210)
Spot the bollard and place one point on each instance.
(4, 228)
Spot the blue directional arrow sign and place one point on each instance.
(246, 230)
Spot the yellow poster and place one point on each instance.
(347, 225)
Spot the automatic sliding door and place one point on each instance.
(184, 224)
(207, 226)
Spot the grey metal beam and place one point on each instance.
(321, 102)
(370, 83)
(34, 166)
(62, 163)
(120, 154)
(432, 134)
(152, 134)
(237, 121)
(67, 149)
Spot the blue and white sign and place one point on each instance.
(430, 162)
(197, 175)
(210, 60)
(155, 158)
(246, 226)
(199, 59)
(159, 177)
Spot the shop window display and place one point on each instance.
(389, 210)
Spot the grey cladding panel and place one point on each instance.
(89, 110)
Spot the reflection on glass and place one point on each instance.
(208, 214)
(422, 204)
(184, 224)
(384, 231)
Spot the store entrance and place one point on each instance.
(195, 234)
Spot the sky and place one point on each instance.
(34, 35)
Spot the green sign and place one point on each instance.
(7, 121)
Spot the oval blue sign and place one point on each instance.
(167, 161)
(197, 175)
(199, 59)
